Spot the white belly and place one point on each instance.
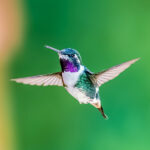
(79, 95)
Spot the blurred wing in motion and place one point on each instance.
(45, 80)
(113, 72)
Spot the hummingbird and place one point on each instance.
(77, 79)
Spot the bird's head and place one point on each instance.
(70, 55)
(70, 59)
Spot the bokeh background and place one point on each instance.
(106, 33)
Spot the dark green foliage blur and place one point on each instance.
(106, 33)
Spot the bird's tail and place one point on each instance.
(102, 112)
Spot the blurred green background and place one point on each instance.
(106, 33)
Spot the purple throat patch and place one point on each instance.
(68, 66)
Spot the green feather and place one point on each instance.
(87, 84)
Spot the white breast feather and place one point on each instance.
(70, 78)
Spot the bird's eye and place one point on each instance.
(71, 55)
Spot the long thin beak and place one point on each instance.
(54, 49)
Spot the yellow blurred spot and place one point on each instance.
(10, 35)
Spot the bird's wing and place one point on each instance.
(45, 80)
(113, 72)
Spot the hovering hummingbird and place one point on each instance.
(80, 82)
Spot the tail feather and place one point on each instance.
(102, 112)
